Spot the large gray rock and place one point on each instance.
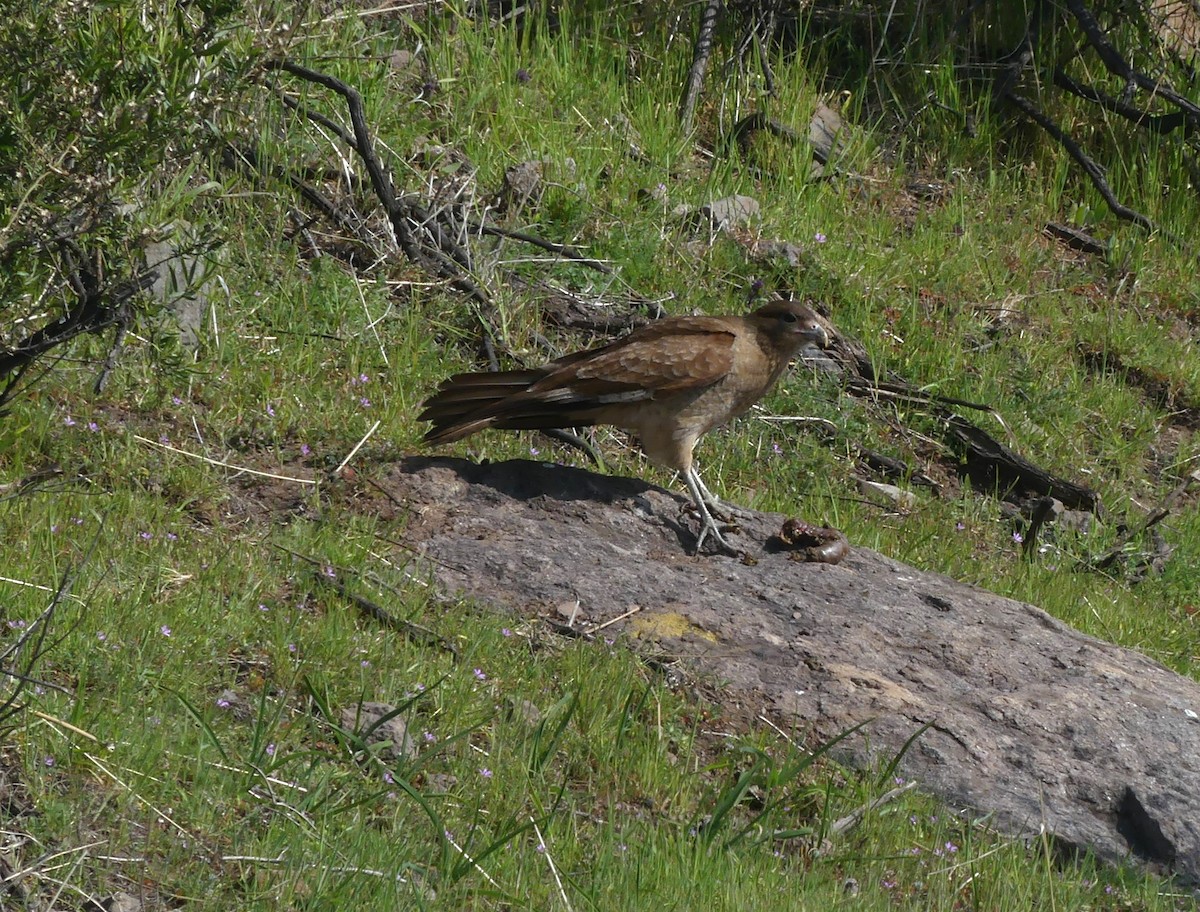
(1028, 719)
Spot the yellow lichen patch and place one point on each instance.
(667, 625)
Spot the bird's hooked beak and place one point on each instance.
(816, 334)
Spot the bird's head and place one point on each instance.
(791, 325)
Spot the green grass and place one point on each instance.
(184, 739)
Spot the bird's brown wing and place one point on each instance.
(581, 389)
(678, 355)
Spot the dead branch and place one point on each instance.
(1090, 167)
(1155, 123)
(1119, 66)
(701, 54)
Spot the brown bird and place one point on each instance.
(669, 382)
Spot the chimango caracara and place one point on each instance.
(669, 383)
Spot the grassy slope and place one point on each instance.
(203, 661)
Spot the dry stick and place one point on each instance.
(449, 260)
(1155, 123)
(1013, 64)
(1094, 172)
(620, 617)
(349, 224)
(1152, 520)
(550, 861)
(701, 53)
(1118, 66)
(358, 446)
(415, 632)
(855, 817)
(561, 249)
(401, 215)
(225, 465)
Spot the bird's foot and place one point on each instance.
(727, 512)
(711, 529)
(702, 501)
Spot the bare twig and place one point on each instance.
(415, 632)
(1118, 66)
(701, 54)
(222, 464)
(1093, 170)
(854, 818)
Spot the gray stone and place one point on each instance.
(392, 735)
(730, 211)
(180, 283)
(1026, 719)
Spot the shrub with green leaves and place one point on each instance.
(105, 111)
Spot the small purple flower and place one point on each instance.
(429, 737)
(485, 773)
(263, 607)
(175, 400)
(888, 884)
(93, 427)
(534, 451)
(420, 687)
(387, 777)
(271, 749)
(17, 624)
(330, 573)
(479, 675)
(223, 703)
(776, 449)
(541, 847)
(101, 636)
(165, 630)
(1110, 889)
(1018, 537)
(364, 402)
(504, 631)
(820, 238)
(951, 848)
(145, 536)
(164, 439)
(291, 647)
(49, 761)
(304, 449)
(365, 663)
(958, 527)
(270, 410)
(171, 536)
(54, 529)
(69, 421)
